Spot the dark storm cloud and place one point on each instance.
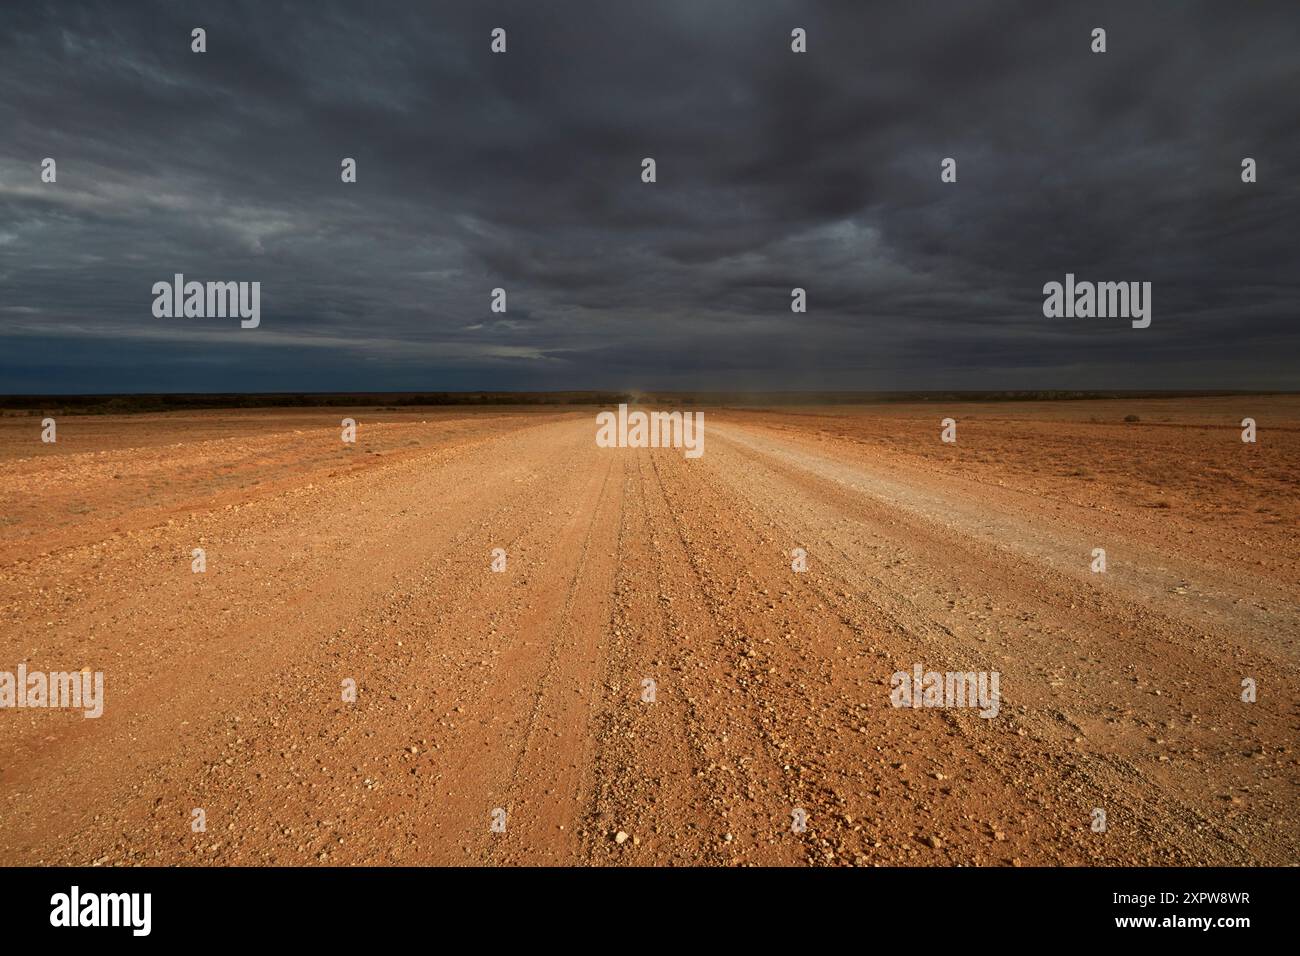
(523, 171)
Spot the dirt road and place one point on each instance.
(524, 689)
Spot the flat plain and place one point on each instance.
(523, 689)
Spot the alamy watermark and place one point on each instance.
(651, 430)
(77, 690)
(1101, 300)
(75, 908)
(208, 300)
(922, 688)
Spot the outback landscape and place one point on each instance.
(523, 689)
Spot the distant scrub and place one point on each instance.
(131, 404)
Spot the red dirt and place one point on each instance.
(522, 690)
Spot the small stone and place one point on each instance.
(620, 837)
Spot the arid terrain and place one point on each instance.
(523, 689)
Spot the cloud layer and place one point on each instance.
(522, 171)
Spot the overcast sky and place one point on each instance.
(523, 171)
